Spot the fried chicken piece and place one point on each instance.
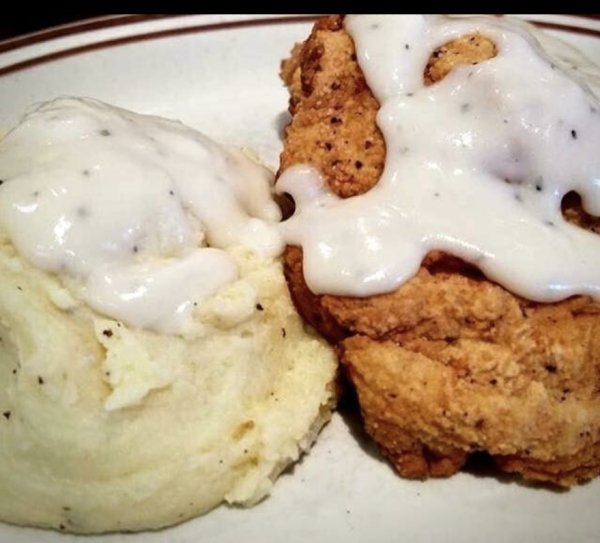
(450, 363)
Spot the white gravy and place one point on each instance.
(128, 205)
(477, 166)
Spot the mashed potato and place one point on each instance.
(107, 426)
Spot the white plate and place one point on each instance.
(220, 74)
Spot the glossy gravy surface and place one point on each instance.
(138, 209)
(476, 166)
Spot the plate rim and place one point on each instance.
(39, 534)
(84, 27)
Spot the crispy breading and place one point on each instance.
(450, 363)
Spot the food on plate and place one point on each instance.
(152, 364)
(445, 236)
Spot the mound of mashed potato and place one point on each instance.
(106, 425)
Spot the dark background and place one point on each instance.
(11, 26)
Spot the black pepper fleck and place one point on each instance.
(549, 223)
(335, 120)
(493, 382)
(85, 173)
(410, 94)
(1, 181)
(104, 132)
(407, 46)
(574, 134)
(259, 307)
(135, 249)
(7, 415)
(358, 164)
(83, 212)
(328, 146)
(61, 527)
(171, 193)
(550, 368)
(464, 108)
(19, 289)
(40, 380)
(107, 333)
(283, 332)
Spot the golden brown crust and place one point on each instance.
(469, 49)
(450, 363)
(536, 413)
(333, 125)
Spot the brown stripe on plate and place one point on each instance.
(595, 17)
(78, 27)
(96, 24)
(594, 32)
(168, 33)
